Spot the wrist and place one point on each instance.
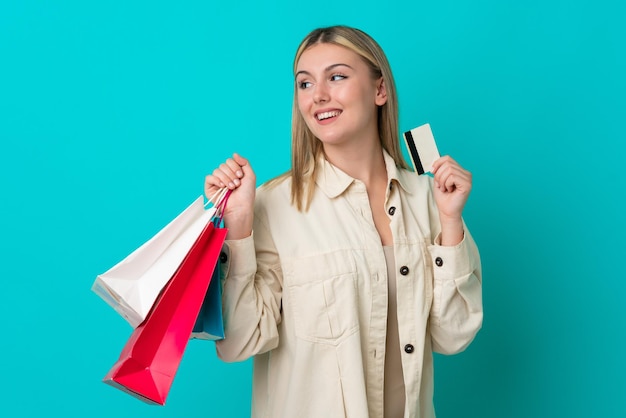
(451, 231)
(239, 224)
(237, 232)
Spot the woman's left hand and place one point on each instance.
(452, 188)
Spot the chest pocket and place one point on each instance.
(322, 296)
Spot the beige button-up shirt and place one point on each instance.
(307, 296)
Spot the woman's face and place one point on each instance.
(337, 95)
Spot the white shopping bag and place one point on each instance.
(132, 286)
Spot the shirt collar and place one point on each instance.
(333, 181)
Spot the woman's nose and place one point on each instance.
(321, 93)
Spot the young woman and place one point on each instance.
(343, 275)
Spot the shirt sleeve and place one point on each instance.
(251, 297)
(457, 312)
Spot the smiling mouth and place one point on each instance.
(327, 115)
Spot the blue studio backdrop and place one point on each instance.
(112, 113)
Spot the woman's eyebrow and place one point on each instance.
(327, 69)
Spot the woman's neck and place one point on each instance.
(363, 161)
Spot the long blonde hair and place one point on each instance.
(305, 147)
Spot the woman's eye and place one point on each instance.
(304, 84)
(337, 77)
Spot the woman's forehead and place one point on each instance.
(321, 55)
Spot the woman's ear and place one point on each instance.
(381, 92)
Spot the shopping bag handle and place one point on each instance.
(217, 197)
(221, 207)
(219, 200)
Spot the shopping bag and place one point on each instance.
(149, 360)
(210, 322)
(132, 285)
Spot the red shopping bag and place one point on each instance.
(150, 359)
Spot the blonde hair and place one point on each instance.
(305, 147)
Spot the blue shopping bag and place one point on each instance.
(210, 323)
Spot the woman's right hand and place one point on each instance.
(237, 175)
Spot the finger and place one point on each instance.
(219, 179)
(235, 167)
(454, 177)
(227, 174)
(211, 185)
(446, 165)
(246, 167)
(458, 178)
(445, 182)
(240, 160)
(222, 177)
(440, 162)
(441, 174)
(211, 181)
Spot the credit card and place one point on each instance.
(422, 148)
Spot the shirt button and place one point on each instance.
(392, 210)
(409, 348)
(223, 257)
(404, 270)
(439, 261)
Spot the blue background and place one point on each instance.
(111, 113)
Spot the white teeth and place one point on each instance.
(326, 115)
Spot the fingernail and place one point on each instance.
(237, 182)
(231, 185)
(239, 173)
